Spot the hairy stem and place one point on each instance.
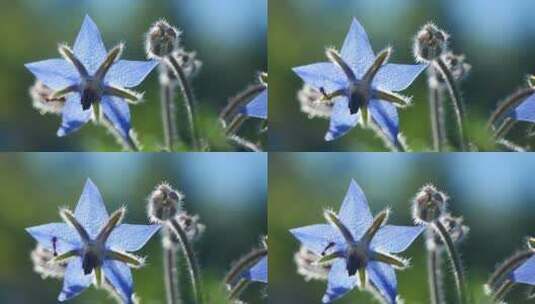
(244, 143)
(434, 276)
(191, 259)
(510, 103)
(456, 99)
(455, 260)
(170, 269)
(167, 97)
(240, 100)
(504, 128)
(188, 97)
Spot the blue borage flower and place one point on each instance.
(258, 272)
(357, 81)
(355, 242)
(95, 245)
(258, 106)
(88, 75)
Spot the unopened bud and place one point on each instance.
(42, 99)
(454, 227)
(430, 43)
(308, 266)
(162, 39)
(428, 205)
(164, 203)
(312, 103)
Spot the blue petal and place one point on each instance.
(54, 73)
(126, 73)
(127, 237)
(120, 277)
(318, 237)
(525, 273)
(258, 107)
(383, 278)
(90, 210)
(397, 77)
(354, 212)
(341, 120)
(75, 281)
(322, 75)
(58, 237)
(526, 110)
(73, 117)
(118, 112)
(357, 51)
(386, 117)
(89, 48)
(395, 239)
(339, 282)
(259, 272)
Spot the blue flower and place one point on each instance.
(356, 80)
(525, 111)
(88, 75)
(258, 272)
(525, 273)
(258, 107)
(355, 242)
(95, 245)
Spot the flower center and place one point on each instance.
(91, 92)
(91, 258)
(357, 258)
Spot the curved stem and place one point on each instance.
(510, 103)
(244, 143)
(502, 291)
(191, 260)
(237, 290)
(455, 261)
(189, 99)
(170, 270)
(504, 128)
(240, 100)
(506, 267)
(455, 97)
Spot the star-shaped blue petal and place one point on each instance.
(91, 75)
(107, 241)
(526, 110)
(381, 241)
(358, 55)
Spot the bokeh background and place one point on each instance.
(228, 36)
(497, 38)
(493, 192)
(228, 191)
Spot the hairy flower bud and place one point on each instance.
(312, 104)
(161, 40)
(428, 205)
(430, 43)
(454, 227)
(308, 267)
(42, 99)
(164, 203)
(43, 265)
(191, 225)
(457, 65)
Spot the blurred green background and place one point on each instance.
(229, 37)
(227, 190)
(497, 38)
(493, 192)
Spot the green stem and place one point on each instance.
(191, 260)
(237, 290)
(244, 143)
(506, 267)
(243, 264)
(240, 100)
(456, 99)
(455, 261)
(167, 109)
(502, 291)
(434, 277)
(504, 128)
(189, 99)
